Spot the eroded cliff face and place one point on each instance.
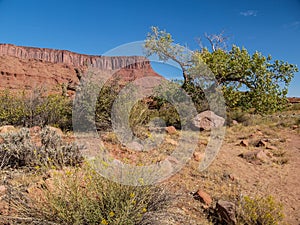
(27, 68)
(74, 59)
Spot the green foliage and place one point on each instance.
(94, 101)
(82, 196)
(248, 81)
(260, 210)
(161, 43)
(12, 108)
(238, 115)
(104, 105)
(169, 114)
(17, 150)
(265, 81)
(35, 109)
(141, 115)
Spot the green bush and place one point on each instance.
(13, 108)
(82, 196)
(238, 115)
(17, 150)
(260, 210)
(35, 109)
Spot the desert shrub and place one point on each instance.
(170, 115)
(140, 116)
(293, 107)
(35, 109)
(17, 150)
(93, 104)
(82, 196)
(12, 108)
(239, 115)
(259, 210)
(104, 105)
(54, 110)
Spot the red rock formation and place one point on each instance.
(28, 68)
(74, 59)
(294, 100)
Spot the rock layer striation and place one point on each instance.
(26, 68)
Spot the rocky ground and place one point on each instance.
(260, 159)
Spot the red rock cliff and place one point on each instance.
(74, 59)
(28, 68)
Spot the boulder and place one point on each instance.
(208, 120)
(226, 212)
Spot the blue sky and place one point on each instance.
(95, 27)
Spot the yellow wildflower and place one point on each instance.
(68, 173)
(104, 222)
(37, 167)
(132, 195)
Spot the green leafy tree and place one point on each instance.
(247, 80)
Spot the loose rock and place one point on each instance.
(171, 130)
(7, 129)
(207, 120)
(203, 197)
(226, 212)
(244, 143)
(198, 156)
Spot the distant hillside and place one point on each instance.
(294, 100)
(27, 67)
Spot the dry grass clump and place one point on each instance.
(82, 196)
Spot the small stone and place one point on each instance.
(249, 155)
(198, 156)
(262, 156)
(271, 147)
(135, 146)
(2, 190)
(234, 122)
(244, 143)
(231, 177)
(171, 142)
(203, 197)
(262, 143)
(256, 156)
(58, 131)
(35, 129)
(172, 159)
(171, 130)
(259, 133)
